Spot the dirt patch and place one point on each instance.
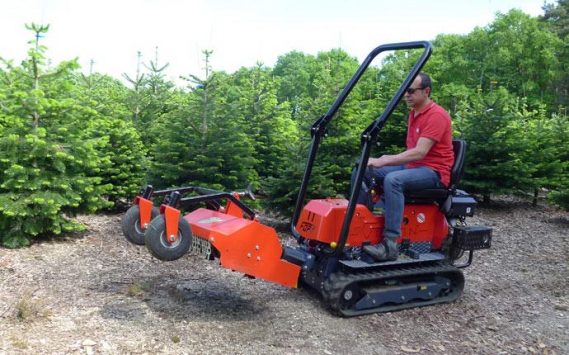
(98, 294)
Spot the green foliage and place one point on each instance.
(42, 183)
(556, 20)
(514, 52)
(203, 142)
(295, 72)
(282, 188)
(58, 155)
(561, 197)
(502, 157)
(120, 143)
(330, 176)
(149, 98)
(122, 146)
(558, 182)
(267, 123)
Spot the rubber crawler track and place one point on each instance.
(338, 282)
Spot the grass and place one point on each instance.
(139, 289)
(19, 344)
(28, 309)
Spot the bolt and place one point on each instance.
(248, 255)
(257, 247)
(258, 258)
(172, 238)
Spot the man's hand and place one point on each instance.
(408, 156)
(383, 160)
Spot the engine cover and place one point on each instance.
(321, 220)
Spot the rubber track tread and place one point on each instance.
(337, 283)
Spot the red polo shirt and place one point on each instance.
(432, 122)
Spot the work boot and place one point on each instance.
(385, 251)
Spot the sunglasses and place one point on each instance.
(411, 91)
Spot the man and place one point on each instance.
(426, 163)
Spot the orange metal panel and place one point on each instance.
(232, 209)
(245, 246)
(424, 223)
(440, 231)
(145, 208)
(321, 220)
(171, 216)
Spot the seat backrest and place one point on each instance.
(457, 170)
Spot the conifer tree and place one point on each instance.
(202, 142)
(49, 162)
(497, 153)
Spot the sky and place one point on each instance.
(110, 33)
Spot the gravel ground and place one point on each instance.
(96, 293)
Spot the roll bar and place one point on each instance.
(368, 136)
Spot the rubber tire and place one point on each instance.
(130, 224)
(160, 248)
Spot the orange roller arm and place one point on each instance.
(171, 216)
(145, 207)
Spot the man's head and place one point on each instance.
(417, 95)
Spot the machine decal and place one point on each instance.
(306, 227)
(210, 220)
(421, 218)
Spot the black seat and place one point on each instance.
(439, 196)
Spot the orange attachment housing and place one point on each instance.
(244, 245)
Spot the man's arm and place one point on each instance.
(423, 146)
